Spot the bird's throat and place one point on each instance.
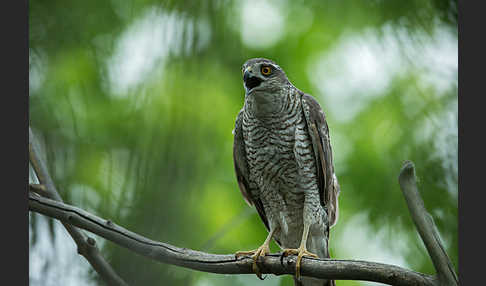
(263, 104)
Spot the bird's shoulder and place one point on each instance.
(314, 111)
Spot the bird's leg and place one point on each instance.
(301, 251)
(261, 251)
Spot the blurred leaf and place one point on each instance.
(136, 101)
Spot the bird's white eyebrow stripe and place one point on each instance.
(275, 66)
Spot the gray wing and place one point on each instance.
(319, 132)
(242, 172)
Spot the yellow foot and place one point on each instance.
(255, 254)
(300, 252)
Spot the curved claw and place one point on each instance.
(257, 253)
(255, 266)
(301, 252)
(282, 257)
(257, 271)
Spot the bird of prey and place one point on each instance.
(284, 165)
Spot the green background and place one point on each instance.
(135, 101)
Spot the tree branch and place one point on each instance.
(70, 216)
(227, 264)
(86, 245)
(426, 226)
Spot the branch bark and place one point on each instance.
(227, 264)
(45, 199)
(426, 226)
(86, 245)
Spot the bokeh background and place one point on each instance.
(135, 101)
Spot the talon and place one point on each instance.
(255, 254)
(256, 270)
(245, 253)
(282, 257)
(300, 252)
(290, 251)
(260, 251)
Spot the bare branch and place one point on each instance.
(227, 264)
(86, 245)
(426, 226)
(50, 204)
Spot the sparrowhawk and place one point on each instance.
(284, 165)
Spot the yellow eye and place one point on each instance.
(266, 70)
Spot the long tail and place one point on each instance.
(318, 246)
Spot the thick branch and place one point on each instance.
(86, 245)
(426, 226)
(227, 264)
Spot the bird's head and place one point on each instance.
(262, 75)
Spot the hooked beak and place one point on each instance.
(250, 80)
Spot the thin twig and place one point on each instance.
(86, 245)
(426, 226)
(227, 264)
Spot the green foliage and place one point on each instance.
(136, 101)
